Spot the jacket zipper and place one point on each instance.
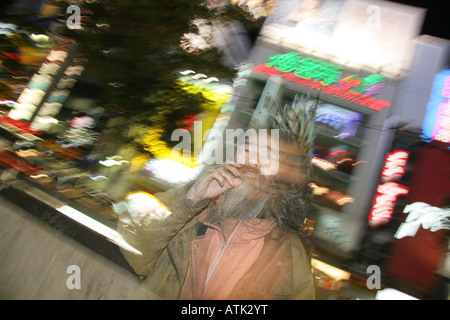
(219, 254)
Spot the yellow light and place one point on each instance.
(333, 272)
(159, 149)
(39, 37)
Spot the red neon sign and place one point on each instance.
(385, 200)
(388, 191)
(395, 165)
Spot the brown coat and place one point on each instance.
(165, 248)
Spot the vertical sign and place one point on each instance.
(388, 191)
(436, 125)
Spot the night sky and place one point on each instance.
(437, 19)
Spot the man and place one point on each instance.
(234, 233)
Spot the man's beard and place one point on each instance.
(246, 201)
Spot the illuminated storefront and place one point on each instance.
(353, 105)
(363, 100)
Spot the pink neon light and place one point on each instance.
(441, 130)
(7, 102)
(446, 89)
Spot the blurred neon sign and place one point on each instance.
(423, 215)
(395, 165)
(437, 119)
(317, 74)
(385, 200)
(306, 67)
(388, 191)
(82, 122)
(8, 103)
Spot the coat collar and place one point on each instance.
(247, 230)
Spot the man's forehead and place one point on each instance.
(274, 144)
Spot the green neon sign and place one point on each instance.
(308, 68)
(317, 74)
(327, 73)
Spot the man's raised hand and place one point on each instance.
(214, 181)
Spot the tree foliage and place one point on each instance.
(134, 54)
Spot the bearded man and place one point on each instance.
(234, 233)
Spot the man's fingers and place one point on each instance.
(226, 175)
(219, 178)
(216, 180)
(233, 170)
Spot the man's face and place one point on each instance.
(246, 201)
(264, 165)
(261, 151)
(273, 157)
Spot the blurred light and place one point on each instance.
(145, 201)
(73, 71)
(186, 72)
(344, 200)
(98, 177)
(82, 122)
(333, 272)
(170, 171)
(199, 75)
(395, 165)
(8, 103)
(216, 96)
(306, 67)
(342, 90)
(425, 215)
(37, 176)
(14, 56)
(141, 208)
(39, 37)
(8, 28)
(436, 125)
(223, 90)
(109, 162)
(211, 79)
(388, 191)
(323, 164)
(318, 191)
(392, 294)
(27, 153)
(47, 119)
(49, 68)
(57, 56)
(98, 227)
(384, 202)
(101, 25)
